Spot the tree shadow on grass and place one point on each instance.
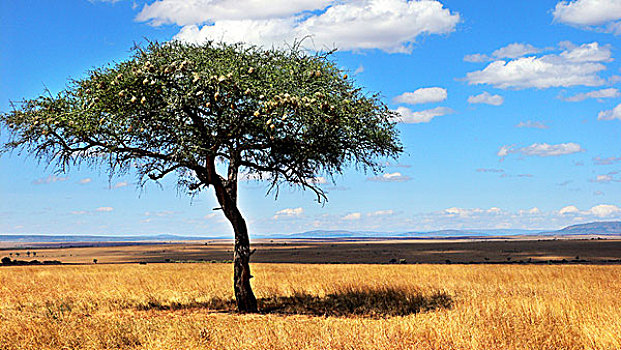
(373, 303)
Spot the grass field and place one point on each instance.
(184, 306)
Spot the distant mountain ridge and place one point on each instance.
(596, 228)
(592, 228)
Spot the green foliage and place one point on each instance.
(286, 115)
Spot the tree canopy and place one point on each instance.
(284, 115)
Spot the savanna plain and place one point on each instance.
(312, 306)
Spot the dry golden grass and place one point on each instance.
(169, 306)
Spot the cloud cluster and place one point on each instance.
(597, 94)
(183, 12)
(606, 161)
(599, 211)
(607, 178)
(120, 184)
(104, 209)
(288, 213)
(464, 212)
(575, 65)
(531, 125)
(510, 51)
(49, 180)
(534, 217)
(381, 213)
(390, 177)
(456, 217)
(388, 25)
(541, 150)
(611, 114)
(602, 15)
(486, 98)
(422, 95)
(352, 216)
(515, 50)
(408, 116)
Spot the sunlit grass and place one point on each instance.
(184, 306)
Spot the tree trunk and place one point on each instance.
(244, 297)
(226, 192)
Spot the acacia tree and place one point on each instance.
(210, 113)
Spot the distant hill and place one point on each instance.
(596, 228)
(592, 228)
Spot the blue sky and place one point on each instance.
(511, 112)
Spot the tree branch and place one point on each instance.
(164, 172)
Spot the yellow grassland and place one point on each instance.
(494, 307)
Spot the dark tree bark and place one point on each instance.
(246, 301)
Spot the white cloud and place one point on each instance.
(598, 94)
(288, 213)
(410, 117)
(381, 213)
(606, 161)
(598, 14)
(534, 210)
(472, 212)
(611, 114)
(388, 25)
(85, 181)
(607, 178)
(48, 180)
(422, 95)
(532, 125)
(603, 178)
(541, 150)
(476, 58)
(160, 213)
(104, 209)
(390, 177)
(487, 98)
(352, 216)
(574, 66)
(494, 210)
(570, 209)
(591, 52)
(359, 70)
(515, 50)
(604, 210)
(531, 217)
(183, 12)
(79, 212)
(600, 211)
(120, 184)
